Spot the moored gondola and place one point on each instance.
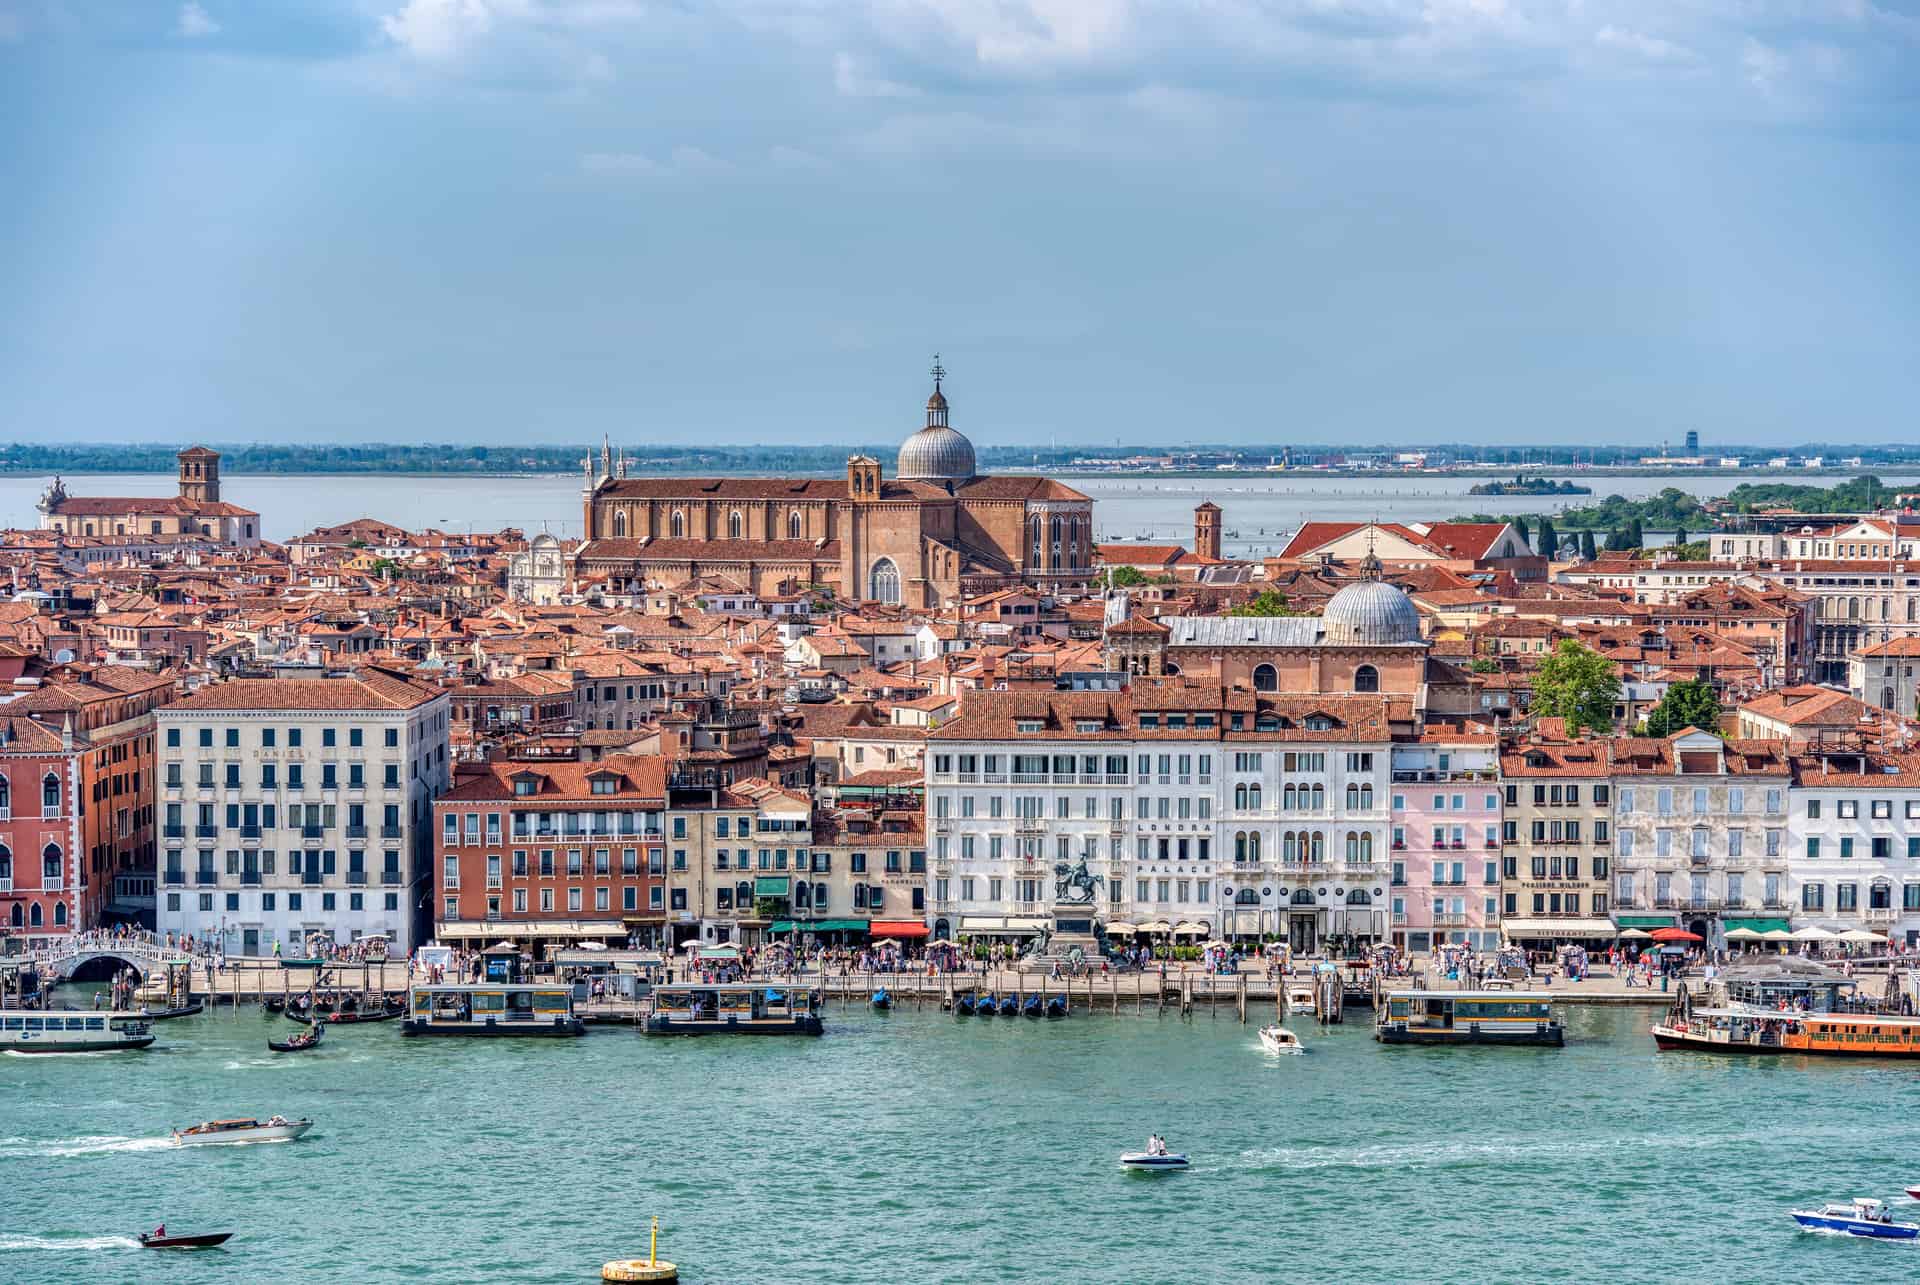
(1009, 1006)
(882, 1000)
(1057, 1006)
(1031, 1007)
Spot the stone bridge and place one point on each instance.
(61, 962)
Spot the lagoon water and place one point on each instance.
(1261, 511)
(917, 1146)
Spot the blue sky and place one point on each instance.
(1509, 221)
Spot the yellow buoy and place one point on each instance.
(651, 1268)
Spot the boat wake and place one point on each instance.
(78, 1053)
(87, 1145)
(1420, 1155)
(58, 1244)
(258, 1063)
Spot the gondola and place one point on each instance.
(963, 1004)
(1009, 1006)
(302, 1042)
(1057, 1006)
(185, 1010)
(350, 1016)
(1032, 1006)
(208, 1241)
(882, 1000)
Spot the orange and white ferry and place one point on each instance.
(1790, 1006)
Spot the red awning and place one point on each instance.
(888, 928)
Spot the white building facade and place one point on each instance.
(1853, 843)
(294, 807)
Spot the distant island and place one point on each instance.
(1530, 486)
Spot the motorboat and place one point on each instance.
(1278, 1039)
(1057, 1006)
(206, 1241)
(309, 1038)
(1009, 1006)
(227, 1132)
(1154, 1160)
(1864, 1216)
(1300, 998)
(881, 999)
(1913, 1193)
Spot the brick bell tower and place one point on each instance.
(1206, 530)
(200, 475)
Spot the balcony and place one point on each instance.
(356, 832)
(173, 831)
(389, 832)
(55, 884)
(357, 878)
(390, 878)
(1880, 914)
(249, 832)
(250, 878)
(311, 878)
(206, 878)
(6, 884)
(312, 831)
(176, 878)
(1030, 825)
(206, 831)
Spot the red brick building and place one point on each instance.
(552, 852)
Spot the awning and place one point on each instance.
(771, 886)
(1157, 926)
(1757, 925)
(780, 926)
(834, 926)
(471, 932)
(719, 952)
(1123, 930)
(1027, 925)
(1191, 928)
(1557, 929)
(981, 923)
(898, 928)
(1644, 921)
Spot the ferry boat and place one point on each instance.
(215, 1133)
(492, 1008)
(1787, 1007)
(1863, 1216)
(1469, 1017)
(23, 1031)
(735, 1008)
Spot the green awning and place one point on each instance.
(781, 926)
(1643, 921)
(1730, 922)
(836, 926)
(770, 886)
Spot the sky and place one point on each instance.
(1193, 221)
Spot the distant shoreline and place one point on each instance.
(1885, 471)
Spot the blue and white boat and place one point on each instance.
(1865, 1216)
(1155, 1158)
(1009, 1006)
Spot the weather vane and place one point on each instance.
(939, 372)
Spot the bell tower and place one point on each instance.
(200, 475)
(863, 478)
(1206, 530)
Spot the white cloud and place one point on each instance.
(440, 29)
(1652, 48)
(195, 22)
(793, 158)
(681, 162)
(1763, 65)
(851, 80)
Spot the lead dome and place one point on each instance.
(1371, 614)
(938, 452)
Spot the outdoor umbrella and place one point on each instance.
(1776, 934)
(1674, 934)
(1635, 934)
(1815, 934)
(1861, 935)
(1743, 934)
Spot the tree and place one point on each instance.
(1125, 577)
(1679, 536)
(1578, 684)
(1621, 539)
(1549, 539)
(1637, 539)
(1483, 665)
(1587, 550)
(1688, 704)
(1520, 528)
(1268, 602)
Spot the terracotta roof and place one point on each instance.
(638, 777)
(367, 691)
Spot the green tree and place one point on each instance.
(1587, 550)
(1679, 535)
(1549, 541)
(1125, 577)
(1578, 684)
(1483, 665)
(1520, 527)
(1268, 602)
(1636, 538)
(1688, 704)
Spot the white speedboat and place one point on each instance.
(1155, 1159)
(1278, 1039)
(216, 1133)
(1300, 998)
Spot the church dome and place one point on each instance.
(936, 454)
(1370, 614)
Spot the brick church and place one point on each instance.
(933, 531)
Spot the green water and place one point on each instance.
(916, 1146)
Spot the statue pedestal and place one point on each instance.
(1073, 933)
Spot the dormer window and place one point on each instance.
(1150, 721)
(1088, 726)
(1318, 723)
(526, 786)
(1028, 725)
(606, 783)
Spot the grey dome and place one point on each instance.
(1371, 614)
(936, 453)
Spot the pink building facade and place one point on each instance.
(1445, 842)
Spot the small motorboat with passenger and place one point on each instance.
(1278, 1039)
(225, 1132)
(1155, 1158)
(158, 1239)
(1864, 1216)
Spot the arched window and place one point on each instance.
(1359, 897)
(803, 895)
(33, 915)
(6, 796)
(619, 524)
(1253, 796)
(6, 862)
(883, 582)
(743, 898)
(793, 524)
(1319, 847)
(736, 525)
(1319, 798)
(50, 862)
(1247, 897)
(59, 914)
(50, 795)
(1366, 847)
(1886, 698)
(1240, 797)
(1366, 679)
(1853, 609)
(1353, 846)
(1240, 847)
(1289, 851)
(1353, 796)
(1253, 846)
(1303, 896)
(1035, 544)
(1366, 798)
(1286, 796)
(677, 524)
(1266, 678)
(19, 916)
